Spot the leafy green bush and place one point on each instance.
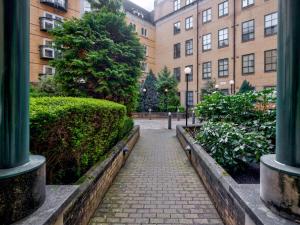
(74, 133)
(239, 128)
(232, 146)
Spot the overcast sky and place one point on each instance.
(147, 4)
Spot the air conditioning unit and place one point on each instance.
(48, 53)
(47, 24)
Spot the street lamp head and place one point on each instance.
(231, 82)
(188, 70)
(166, 90)
(217, 86)
(144, 90)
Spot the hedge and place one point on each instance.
(74, 133)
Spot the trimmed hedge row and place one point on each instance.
(74, 133)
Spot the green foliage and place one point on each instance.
(246, 120)
(246, 87)
(112, 5)
(209, 88)
(233, 147)
(167, 82)
(149, 99)
(100, 57)
(47, 86)
(74, 133)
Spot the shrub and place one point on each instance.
(74, 133)
(231, 146)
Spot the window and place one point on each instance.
(189, 2)
(189, 47)
(176, 5)
(206, 42)
(271, 60)
(177, 51)
(177, 73)
(248, 31)
(223, 38)
(144, 67)
(190, 99)
(189, 23)
(206, 70)
(190, 76)
(206, 16)
(50, 21)
(144, 32)
(146, 50)
(223, 65)
(177, 28)
(223, 9)
(246, 3)
(271, 24)
(248, 64)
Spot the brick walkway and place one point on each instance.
(157, 186)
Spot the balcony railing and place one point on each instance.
(47, 52)
(47, 24)
(59, 4)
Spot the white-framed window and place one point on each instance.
(176, 5)
(223, 8)
(187, 2)
(246, 3)
(47, 50)
(206, 15)
(223, 38)
(206, 42)
(87, 6)
(48, 70)
(271, 24)
(189, 23)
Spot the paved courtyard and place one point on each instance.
(157, 186)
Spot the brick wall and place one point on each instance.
(97, 182)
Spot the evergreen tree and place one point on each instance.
(246, 87)
(149, 96)
(100, 57)
(111, 5)
(167, 90)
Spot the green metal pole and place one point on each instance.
(14, 83)
(288, 112)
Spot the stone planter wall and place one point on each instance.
(237, 204)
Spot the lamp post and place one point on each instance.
(22, 176)
(231, 82)
(217, 86)
(144, 98)
(280, 173)
(187, 72)
(166, 98)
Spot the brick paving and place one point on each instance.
(157, 186)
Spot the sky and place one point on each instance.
(147, 4)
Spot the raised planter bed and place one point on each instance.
(75, 204)
(237, 204)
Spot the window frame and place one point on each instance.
(176, 5)
(178, 31)
(248, 73)
(207, 44)
(223, 70)
(272, 63)
(224, 40)
(189, 51)
(220, 4)
(206, 72)
(248, 5)
(178, 55)
(190, 23)
(248, 33)
(272, 27)
(177, 75)
(190, 98)
(204, 11)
